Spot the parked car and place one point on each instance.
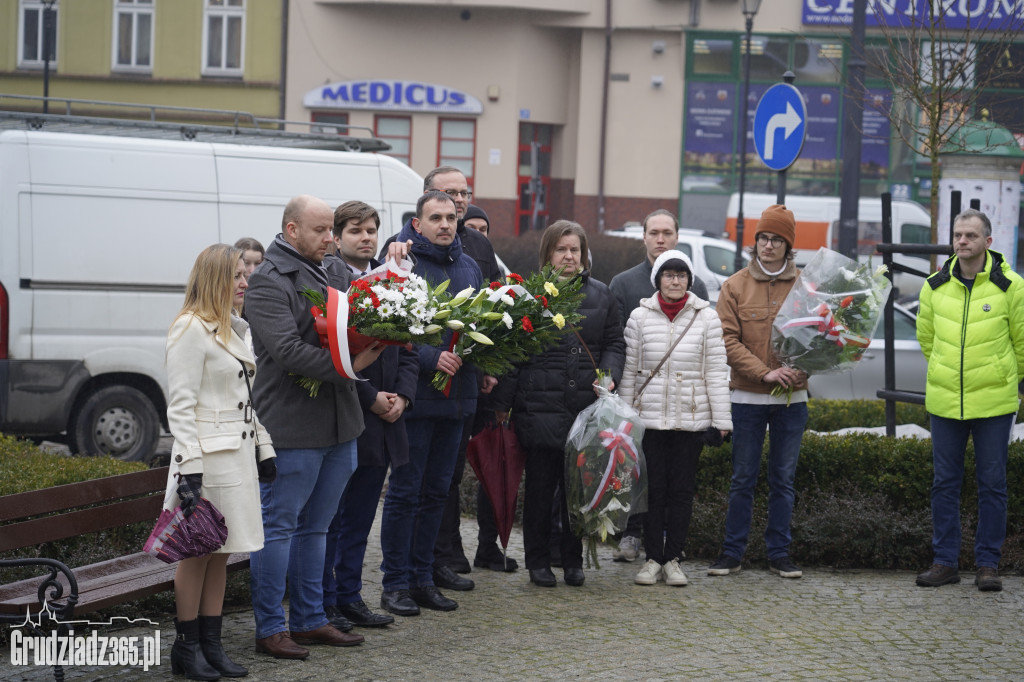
(713, 258)
(868, 375)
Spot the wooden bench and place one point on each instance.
(66, 511)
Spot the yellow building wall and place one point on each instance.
(85, 54)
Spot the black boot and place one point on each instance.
(187, 656)
(209, 640)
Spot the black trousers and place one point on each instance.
(545, 469)
(448, 550)
(672, 458)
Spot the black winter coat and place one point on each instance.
(547, 392)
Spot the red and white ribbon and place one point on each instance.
(399, 270)
(337, 332)
(827, 324)
(615, 440)
(516, 289)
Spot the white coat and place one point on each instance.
(690, 392)
(206, 415)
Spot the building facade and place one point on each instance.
(210, 54)
(596, 111)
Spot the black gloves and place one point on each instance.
(189, 487)
(267, 470)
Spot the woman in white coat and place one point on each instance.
(210, 365)
(677, 378)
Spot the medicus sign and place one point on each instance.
(392, 95)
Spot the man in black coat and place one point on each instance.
(388, 390)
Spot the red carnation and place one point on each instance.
(527, 325)
(543, 300)
(495, 285)
(514, 278)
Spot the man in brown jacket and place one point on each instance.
(747, 306)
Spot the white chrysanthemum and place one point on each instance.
(506, 320)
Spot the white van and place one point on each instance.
(97, 237)
(817, 225)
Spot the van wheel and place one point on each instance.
(119, 421)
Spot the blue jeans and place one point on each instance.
(415, 501)
(949, 441)
(297, 509)
(346, 538)
(786, 424)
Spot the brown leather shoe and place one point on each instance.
(328, 635)
(938, 575)
(987, 579)
(281, 645)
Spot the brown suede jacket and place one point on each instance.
(747, 306)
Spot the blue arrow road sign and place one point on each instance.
(780, 126)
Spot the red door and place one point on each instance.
(534, 177)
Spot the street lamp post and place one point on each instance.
(750, 8)
(47, 49)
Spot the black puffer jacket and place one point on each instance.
(547, 392)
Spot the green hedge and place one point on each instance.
(25, 467)
(862, 500)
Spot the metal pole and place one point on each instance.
(744, 127)
(47, 49)
(888, 320)
(853, 121)
(780, 194)
(602, 151)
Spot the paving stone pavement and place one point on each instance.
(752, 625)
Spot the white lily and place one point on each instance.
(479, 338)
(461, 297)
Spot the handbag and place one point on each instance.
(175, 537)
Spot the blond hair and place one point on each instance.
(211, 285)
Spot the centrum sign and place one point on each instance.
(989, 15)
(392, 95)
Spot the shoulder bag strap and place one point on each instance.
(586, 348)
(665, 357)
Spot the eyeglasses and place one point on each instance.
(776, 242)
(453, 193)
(674, 276)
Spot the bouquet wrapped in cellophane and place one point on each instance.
(830, 314)
(510, 321)
(389, 304)
(605, 471)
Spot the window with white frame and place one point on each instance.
(457, 145)
(397, 132)
(35, 24)
(223, 37)
(133, 35)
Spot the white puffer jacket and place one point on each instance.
(690, 392)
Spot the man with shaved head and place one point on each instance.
(316, 435)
